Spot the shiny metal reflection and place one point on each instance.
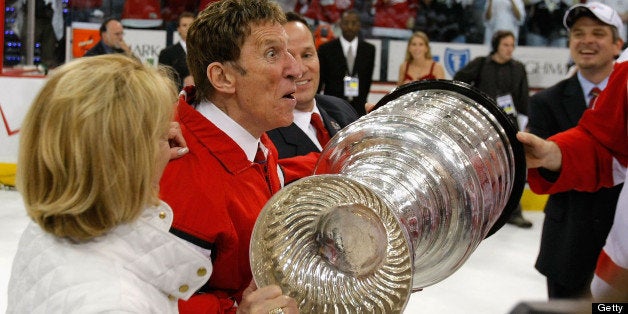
(401, 199)
(335, 246)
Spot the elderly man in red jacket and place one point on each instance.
(245, 85)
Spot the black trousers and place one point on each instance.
(556, 290)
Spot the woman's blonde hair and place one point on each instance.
(426, 39)
(89, 145)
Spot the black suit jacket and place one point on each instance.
(576, 223)
(292, 141)
(334, 68)
(175, 57)
(99, 49)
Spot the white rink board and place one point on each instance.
(16, 95)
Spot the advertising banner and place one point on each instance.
(84, 36)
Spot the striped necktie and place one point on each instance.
(593, 94)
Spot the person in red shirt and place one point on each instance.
(394, 13)
(419, 64)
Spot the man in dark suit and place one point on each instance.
(302, 136)
(175, 55)
(342, 77)
(504, 79)
(576, 223)
(111, 40)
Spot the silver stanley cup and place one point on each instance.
(399, 200)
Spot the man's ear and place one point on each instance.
(619, 45)
(221, 77)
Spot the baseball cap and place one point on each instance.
(599, 10)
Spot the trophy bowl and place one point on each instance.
(398, 201)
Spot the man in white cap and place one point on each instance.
(576, 223)
(589, 156)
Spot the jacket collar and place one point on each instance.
(217, 142)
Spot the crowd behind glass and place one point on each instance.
(461, 21)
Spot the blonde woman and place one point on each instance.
(93, 147)
(418, 64)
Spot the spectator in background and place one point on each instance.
(475, 33)
(418, 64)
(500, 15)
(367, 18)
(85, 10)
(394, 13)
(244, 80)
(175, 55)
(347, 64)
(49, 31)
(141, 14)
(317, 117)
(172, 9)
(322, 34)
(544, 25)
(111, 40)
(325, 11)
(505, 80)
(112, 8)
(91, 154)
(576, 223)
(442, 21)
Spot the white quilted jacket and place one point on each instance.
(135, 268)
